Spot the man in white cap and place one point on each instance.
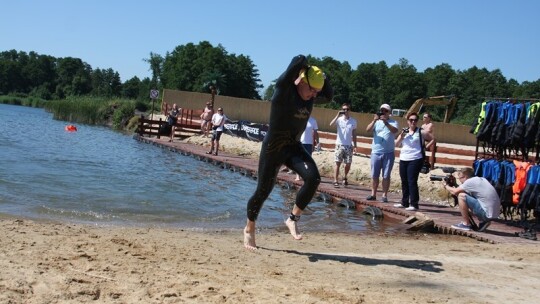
(383, 148)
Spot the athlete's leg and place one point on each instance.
(269, 165)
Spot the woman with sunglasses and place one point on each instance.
(411, 159)
(296, 90)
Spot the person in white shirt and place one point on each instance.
(345, 139)
(411, 159)
(218, 120)
(309, 138)
(479, 196)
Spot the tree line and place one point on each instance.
(197, 67)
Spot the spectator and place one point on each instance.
(382, 150)
(345, 138)
(206, 118)
(172, 118)
(477, 195)
(309, 138)
(431, 145)
(411, 160)
(218, 120)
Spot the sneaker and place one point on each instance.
(483, 226)
(371, 198)
(461, 226)
(399, 206)
(384, 199)
(411, 208)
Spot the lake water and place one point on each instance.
(100, 176)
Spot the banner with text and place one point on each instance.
(246, 129)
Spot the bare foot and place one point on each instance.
(249, 240)
(293, 229)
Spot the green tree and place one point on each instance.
(132, 88)
(194, 67)
(74, 77)
(403, 85)
(437, 80)
(366, 86)
(156, 66)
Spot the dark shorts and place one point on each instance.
(216, 135)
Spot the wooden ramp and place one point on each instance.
(442, 216)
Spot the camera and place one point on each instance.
(405, 130)
(449, 179)
(380, 114)
(341, 112)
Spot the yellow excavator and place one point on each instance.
(448, 100)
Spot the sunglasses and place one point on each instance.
(413, 120)
(307, 80)
(345, 109)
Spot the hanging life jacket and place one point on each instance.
(521, 180)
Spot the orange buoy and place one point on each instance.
(71, 128)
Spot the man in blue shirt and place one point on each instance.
(383, 148)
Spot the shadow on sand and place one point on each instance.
(430, 266)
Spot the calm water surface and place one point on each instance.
(100, 176)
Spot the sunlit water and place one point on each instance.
(100, 176)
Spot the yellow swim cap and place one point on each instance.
(315, 77)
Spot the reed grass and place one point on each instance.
(93, 110)
(22, 101)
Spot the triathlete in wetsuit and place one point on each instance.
(292, 103)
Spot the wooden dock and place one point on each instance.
(443, 217)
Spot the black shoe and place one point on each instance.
(483, 226)
(371, 198)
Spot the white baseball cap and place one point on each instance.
(386, 107)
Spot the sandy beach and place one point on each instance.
(45, 262)
(50, 262)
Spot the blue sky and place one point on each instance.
(492, 34)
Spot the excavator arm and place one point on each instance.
(448, 100)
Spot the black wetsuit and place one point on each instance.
(289, 114)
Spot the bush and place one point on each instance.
(133, 123)
(122, 114)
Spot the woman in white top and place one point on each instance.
(411, 159)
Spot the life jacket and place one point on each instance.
(533, 121)
(515, 125)
(521, 180)
(521, 123)
(529, 196)
(486, 128)
(504, 187)
(498, 127)
(480, 119)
